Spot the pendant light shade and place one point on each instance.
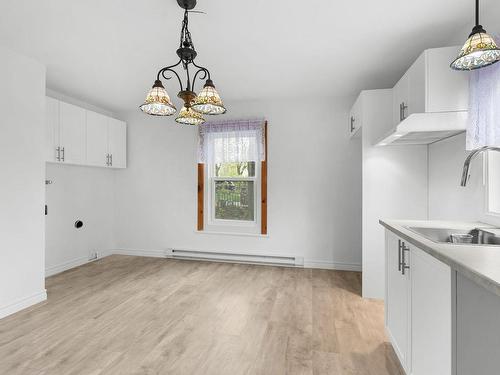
(479, 50)
(208, 101)
(158, 102)
(189, 117)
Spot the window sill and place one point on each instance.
(232, 234)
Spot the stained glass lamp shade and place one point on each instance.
(189, 117)
(208, 101)
(479, 50)
(158, 102)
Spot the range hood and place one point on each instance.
(425, 128)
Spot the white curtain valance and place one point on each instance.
(483, 125)
(231, 141)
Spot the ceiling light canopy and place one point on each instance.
(207, 102)
(479, 50)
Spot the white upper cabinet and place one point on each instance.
(97, 139)
(355, 120)
(430, 86)
(117, 143)
(72, 133)
(78, 136)
(52, 151)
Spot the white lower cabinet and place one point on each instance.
(418, 308)
(397, 300)
(431, 315)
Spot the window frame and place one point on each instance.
(206, 196)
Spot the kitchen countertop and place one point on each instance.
(479, 263)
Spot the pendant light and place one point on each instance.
(479, 50)
(158, 102)
(207, 102)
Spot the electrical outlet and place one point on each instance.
(93, 255)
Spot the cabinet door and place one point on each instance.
(397, 301)
(72, 133)
(416, 86)
(97, 139)
(431, 320)
(51, 129)
(478, 329)
(117, 140)
(400, 99)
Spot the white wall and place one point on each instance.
(447, 199)
(22, 108)
(394, 186)
(314, 185)
(77, 193)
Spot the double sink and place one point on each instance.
(475, 236)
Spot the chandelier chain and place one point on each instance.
(186, 40)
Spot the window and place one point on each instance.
(232, 180)
(233, 186)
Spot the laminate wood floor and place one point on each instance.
(135, 315)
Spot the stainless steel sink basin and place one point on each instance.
(476, 236)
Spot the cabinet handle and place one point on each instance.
(352, 123)
(403, 108)
(63, 154)
(111, 159)
(399, 254)
(107, 159)
(58, 156)
(404, 266)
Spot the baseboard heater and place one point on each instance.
(275, 260)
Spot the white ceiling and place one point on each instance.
(107, 52)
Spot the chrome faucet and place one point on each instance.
(465, 171)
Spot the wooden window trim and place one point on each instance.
(201, 194)
(263, 187)
(263, 191)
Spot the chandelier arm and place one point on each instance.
(172, 71)
(205, 73)
(162, 71)
(204, 69)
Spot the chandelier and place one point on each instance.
(207, 102)
(479, 50)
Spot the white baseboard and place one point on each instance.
(22, 303)
(58, 268)
(338, 266)
(140, 253)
